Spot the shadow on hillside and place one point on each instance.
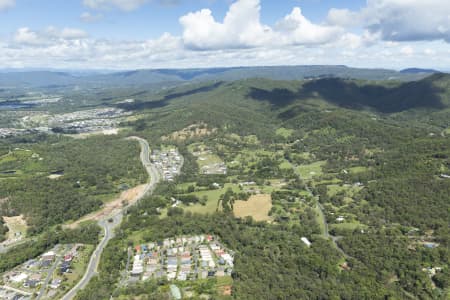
(166, 99)
(347, 94)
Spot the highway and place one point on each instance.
(109, 223)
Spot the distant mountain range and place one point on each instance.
(10, 79)
(418, 71)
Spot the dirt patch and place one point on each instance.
(127, 197)
(226, 290)
(257, 207)
(192, 131)
(85, 135)
(54, 176)
(17, 229)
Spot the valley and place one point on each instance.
(335, 190)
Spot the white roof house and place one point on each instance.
(306, 241)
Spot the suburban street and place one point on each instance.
(48, 278)
(110, 222)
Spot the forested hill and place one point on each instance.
(375, 153)
(179, 76)
(259, 104)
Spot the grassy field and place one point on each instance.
(356, 170)
(213, 198)
(333, 189)
(257, 206)
(311, 170)
(21, 161)
(319, 219)
(334, 181)
(208, 159)
(347, 226)
(204, 155)
(209, 208)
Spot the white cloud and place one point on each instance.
(242, 28)
(168, 51)
(429, 52)
(297, 29)
(6, 4)
(65, 33)
(87, 17)
(399, 20)
(344, 17)
(241, 39)
(407, 50)
(125, 5)
(409, 20)
(26, 36)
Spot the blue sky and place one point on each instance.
(127, 34)
(150, 20)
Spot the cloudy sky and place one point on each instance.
(131, 34)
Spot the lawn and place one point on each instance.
(329, 181)
(205, 157)
(348, 226)
(257, 207)
(356, 170)
(78, 268)
(209, 208)
(319, 219)
(208, 159)
(79, 264)
(311, 170)
(226, 280)
(22, 162)
(213, 198)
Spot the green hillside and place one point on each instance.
(364, 159)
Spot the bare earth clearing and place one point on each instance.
(89, 134)
(17, 229)
(195, 130)
(257, 206)
(128, 197)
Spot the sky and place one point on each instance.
(144, 34)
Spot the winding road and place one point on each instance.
(321, 209)
(109, 223)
